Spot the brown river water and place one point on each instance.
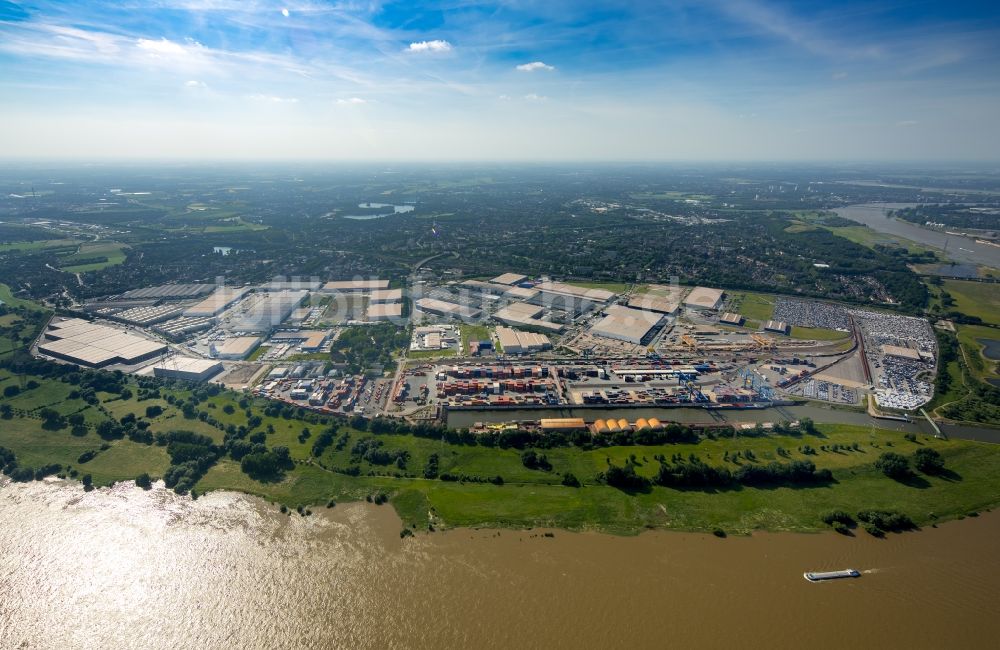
(123, 568)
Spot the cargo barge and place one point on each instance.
(820, 576)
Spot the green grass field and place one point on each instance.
(9, 299)
(114, 251)
(27, 246)
(969, 337)
(474, 333)
(817, 333)
(753, 306)
(529, 497)
(430, 354)
(981, 299)
(614, 287)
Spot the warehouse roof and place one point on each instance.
(446, 308)
(386, 295)
(93, 344)
(169, 291)
(521, 293)
(511, 339)
(238, 346)
(522, 309)
(309, 338)
(776, 326)
(187, 364)
(385, 310)
(562, 424)
(704, 297)
(217, 302)
(356, 285)
(625, 323)
(653, 303)
(509, 278)
(561, 288)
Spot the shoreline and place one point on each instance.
(321, 510)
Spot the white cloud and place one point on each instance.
(532, 97)
(907, 123)
(194, 83)
(535, 65)
(274, 99)
(351, 101)
(430, 46)
(285, 13)
(840, 75)
(167, 48)
(504, 98)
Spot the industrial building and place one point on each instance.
(295, 284)
(524, 314)
(96, 346)
(169, 292)
(514, 342)
(216, 303)
(729, 318)
(509, 279)
(650, 302)
(487, 288)
(355, 286)
(704, 298)
(269, 311)
(308, 340)
(434, 337)
(776, 326)
(187, 368)
(562, 424)
(626, 324)
(569, 298)
(520, 293)
(594, 295)
(385, 311)
(145, 315)
(178, 328)
(236, 348)
(447, 309)
(379, 296)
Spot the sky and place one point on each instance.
(514, 80)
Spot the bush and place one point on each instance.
(841, 528)
(928, 461)
(874, 530)
(893, 465)
(534, 460)
(144, 481)
(569, 480)
(887, 520)
(625, 478)
(838, 517)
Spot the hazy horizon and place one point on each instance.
(719, 81)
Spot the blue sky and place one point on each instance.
(511, 80)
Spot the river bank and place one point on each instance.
(123, 567)
(960, 249)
